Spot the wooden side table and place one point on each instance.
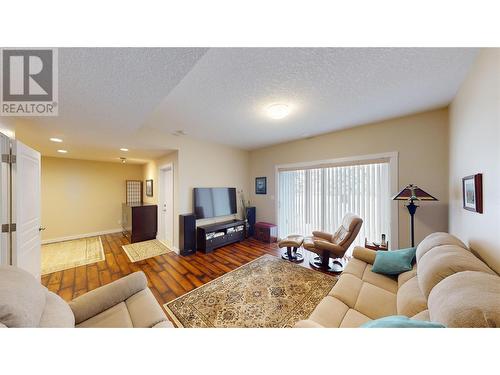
(372, 246)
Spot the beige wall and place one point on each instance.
(200, 164)
(421, 141)
(475, 148)
(81, 197)
(204, 164)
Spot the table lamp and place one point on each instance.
(410, 194)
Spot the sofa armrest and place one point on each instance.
(98, 300)
(323, 235)
(364, 254)
(164, 324)
(307, 324)
(331, 247)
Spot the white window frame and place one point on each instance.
(392, 157)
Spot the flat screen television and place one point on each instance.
(214, 202)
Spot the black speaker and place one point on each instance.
(187, 234)
(251, 217)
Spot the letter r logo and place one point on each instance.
(27, 75)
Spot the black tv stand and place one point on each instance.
(212, 236)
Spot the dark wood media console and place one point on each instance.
(212, 236)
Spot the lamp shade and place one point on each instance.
(413, 192)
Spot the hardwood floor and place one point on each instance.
(169, 275)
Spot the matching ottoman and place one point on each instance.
(292, 244)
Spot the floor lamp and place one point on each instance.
(410, 194)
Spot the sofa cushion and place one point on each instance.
(410, 300)
(353, 319)
(347, 289)
(375, 302)
(307, 324)
(437, 239)
(443, 261)
(388, 283)
(57, 313)
(114, 317)
(22, 298)
(355, 267)
(423, 315)
(144, 310)
(330, 312)
(405, 276)
(466, 299)
(363, 271)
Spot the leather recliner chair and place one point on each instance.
(329, 246)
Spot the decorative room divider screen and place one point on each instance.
(317, 198)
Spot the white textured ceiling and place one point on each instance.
(105, 94)
(225, 95)
(108, 97)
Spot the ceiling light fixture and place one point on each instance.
(62, 151)
(278, 111)
(124, 149)
(57, 140)
(123, 160)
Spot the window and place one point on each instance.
(317, 198)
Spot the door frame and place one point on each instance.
(161, 235)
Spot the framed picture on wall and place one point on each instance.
(472, 192)
(261, 185)
(149, 188)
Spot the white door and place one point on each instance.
(26, 199)
(167, 205)
(4, 201)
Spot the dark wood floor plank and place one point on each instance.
(68, 278)
(169, 275)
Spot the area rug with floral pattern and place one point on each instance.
(267, 292)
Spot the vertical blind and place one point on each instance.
(318, 198)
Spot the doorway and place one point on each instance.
(166, 205)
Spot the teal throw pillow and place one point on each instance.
(394, 262)
(401, 321)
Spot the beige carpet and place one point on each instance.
(146, 249)
(60, 256)
(267, 292)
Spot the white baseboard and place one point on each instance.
(172, 247)
(78, 236)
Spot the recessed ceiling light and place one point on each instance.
(62, 151)
(123, 160)
(57, 140)
(124, 149)
(278, 111)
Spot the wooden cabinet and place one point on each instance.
(139, 221)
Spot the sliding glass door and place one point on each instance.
(317, 198)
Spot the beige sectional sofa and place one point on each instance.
(124, 303)
(448, 284)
